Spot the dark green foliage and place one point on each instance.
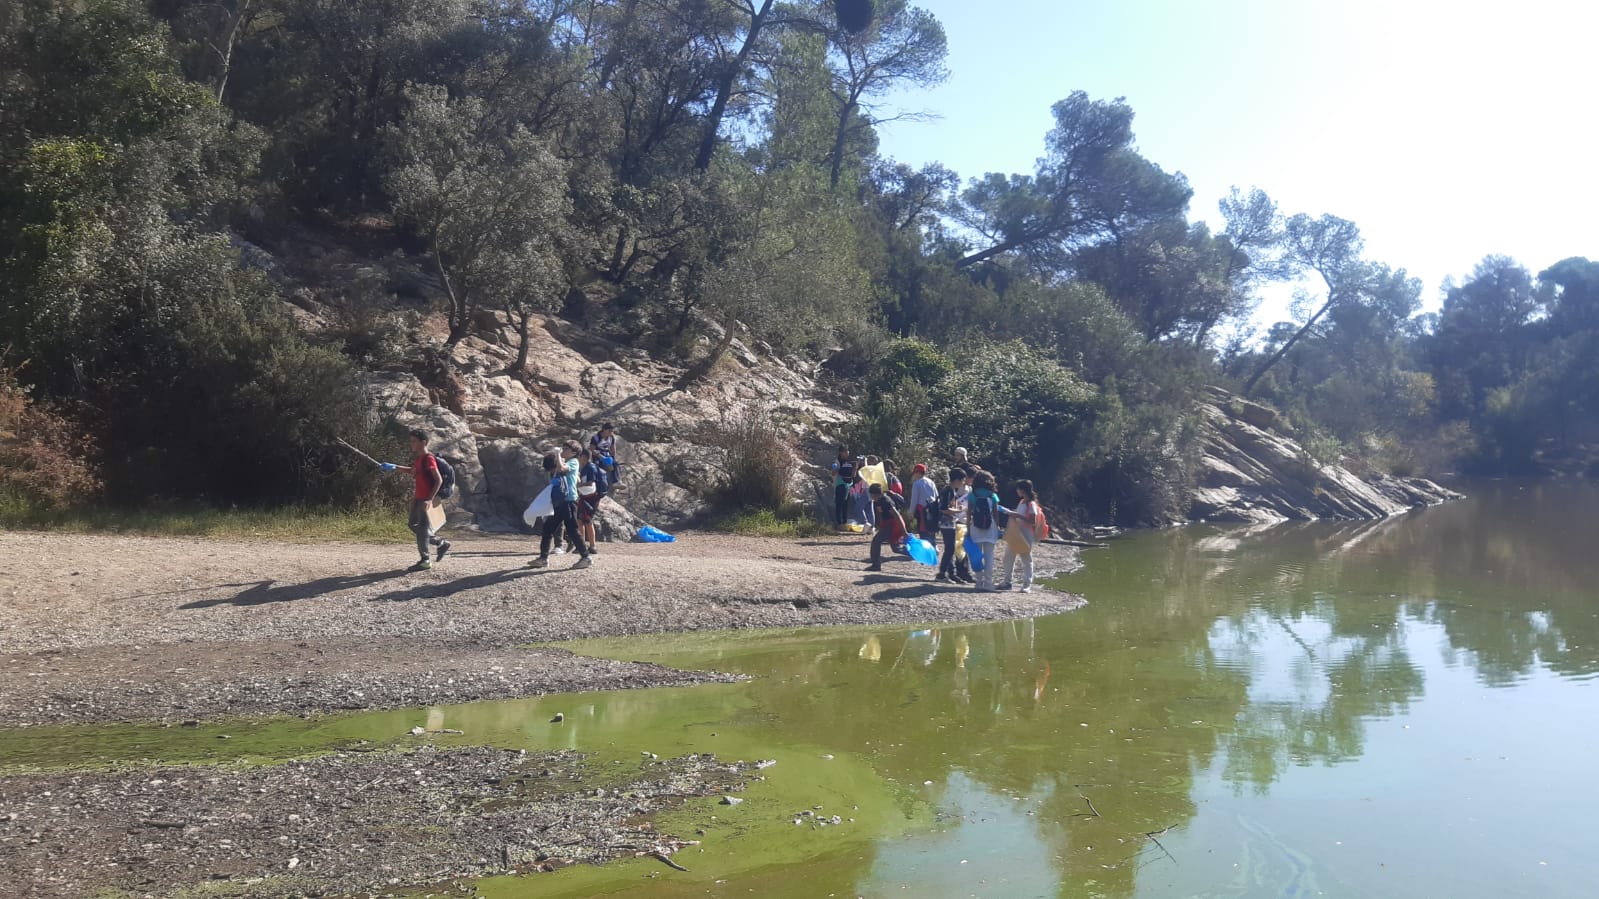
(126, 304)
(680, 175)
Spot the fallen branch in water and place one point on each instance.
(1154, 837)
(665, 859)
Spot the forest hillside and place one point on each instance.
(234, 230)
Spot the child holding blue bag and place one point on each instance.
(982, 516)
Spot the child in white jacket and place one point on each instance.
(1025, 519)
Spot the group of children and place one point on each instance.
(579, 480)
(869, 497)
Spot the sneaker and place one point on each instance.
(942, 578)
(1026, 590)
(583, 563)
(963, 579)
(540, 562)
(874, 568)
(1004, 586)
(560, 550)
(421, 565)
(593, 548)
(438, 554)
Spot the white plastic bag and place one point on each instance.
(542, 506)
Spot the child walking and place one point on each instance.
(563, 477)
(425, 468)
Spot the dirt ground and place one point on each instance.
(105, 628)
(102, 629)
(343, 824)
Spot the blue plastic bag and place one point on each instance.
(974, 553)
(922, 551)
(648, 534)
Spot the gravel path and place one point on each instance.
(368, 823)
(133, 628)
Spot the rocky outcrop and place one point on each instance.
(504, 422)
(1252, 472)
(496, 426)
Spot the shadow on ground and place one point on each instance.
(265, 591)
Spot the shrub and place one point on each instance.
(1016, 409)
(789, 523)
(758, 462)
(861, 344)
(909, 360)
(894, 424)
(45, 458)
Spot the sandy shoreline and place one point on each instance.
(104, 628)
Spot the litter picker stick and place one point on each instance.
(358, 452)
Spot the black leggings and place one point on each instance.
(565, 515)
(840, 504)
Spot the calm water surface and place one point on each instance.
(1399, 708)
(1404, 708)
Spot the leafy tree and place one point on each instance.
(1329, 247)
(905, 46)
(1014, 407)
(778, 260)
(1090, 184)
(490, 206)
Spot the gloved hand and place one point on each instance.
(387, 466)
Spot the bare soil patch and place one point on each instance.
(337, 825)
(103, 628)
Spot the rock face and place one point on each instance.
(1250, 472)
(495, 427)
(502, 424)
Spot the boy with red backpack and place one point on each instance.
(431, 484)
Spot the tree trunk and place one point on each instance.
(724, 89)
(839, 139)
(225, 53)
(991, 252)
(1282, 351)
(460, 307)
(522, 328)
(700, 369)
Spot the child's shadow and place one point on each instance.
(437, 589)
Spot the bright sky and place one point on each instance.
(1446, 131)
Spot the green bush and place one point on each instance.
(790, 523)
(1017, 410)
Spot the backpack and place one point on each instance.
(1042, 522)
(446, 477)
(982, 509)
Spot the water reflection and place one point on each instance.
(1164, 740)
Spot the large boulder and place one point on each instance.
(1250, 472)
(574, 382)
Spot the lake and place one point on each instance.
(1390, 709)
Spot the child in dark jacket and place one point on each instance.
(890, 526)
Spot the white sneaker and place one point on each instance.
(558, 551)
(1025, 590)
